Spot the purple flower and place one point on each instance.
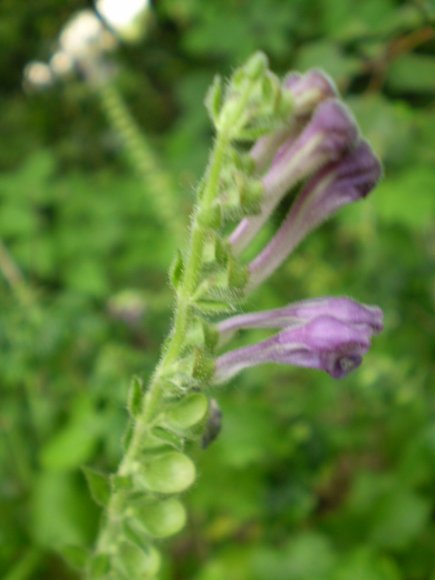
(333, 186)
(340, 308)
(308, 91)
(330, 133)
(324, 342)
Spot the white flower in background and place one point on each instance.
(127, 18)
(37, 75)
(62, 64)
(85, 36)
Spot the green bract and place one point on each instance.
(171, 472)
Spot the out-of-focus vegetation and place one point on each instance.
(310, 479)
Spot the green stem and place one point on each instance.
(111, 533)
(14, 277)
(181, 320)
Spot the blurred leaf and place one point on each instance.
(363, 564)
(99, 485)
(61, 512)
(407, 199)
(389, 126)
(307, 556)
(399, 518)
(75, 443)
(412, 73)
(329, 57)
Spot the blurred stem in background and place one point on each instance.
(143, 160)
(14, 277)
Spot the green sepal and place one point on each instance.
(133, 561)
(214, 99)
(187, 412)
(99, 485)
(212, 307)
(203, 366)
(210, 335)
(271, 89)
(168, 473)
(167, 438)
(135, 396)
(238, 275)
(251, 197)
(264, 126)
(159, 519)
(211, 218)
(285, 106)
(75, 556)
(256, 66)
(242, 161)
(176, 270)
(222, 251)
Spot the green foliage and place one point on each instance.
(308, 478)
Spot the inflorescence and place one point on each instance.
(274, 139)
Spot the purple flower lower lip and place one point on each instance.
(333, 186)
(324, 343)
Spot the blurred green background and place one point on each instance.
(310, 479)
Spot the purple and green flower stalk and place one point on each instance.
(332, 187)
(307, 91)
(334, 338)
(339, 307)
(331, 132)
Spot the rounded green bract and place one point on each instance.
(161, 519)
(171, 472)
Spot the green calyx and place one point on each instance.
(188, 412)
(170, 472)
(159, 519)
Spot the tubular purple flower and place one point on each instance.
(333, 186)
(330, 133)
(308, 91)
(324, 343)
(341, 308)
